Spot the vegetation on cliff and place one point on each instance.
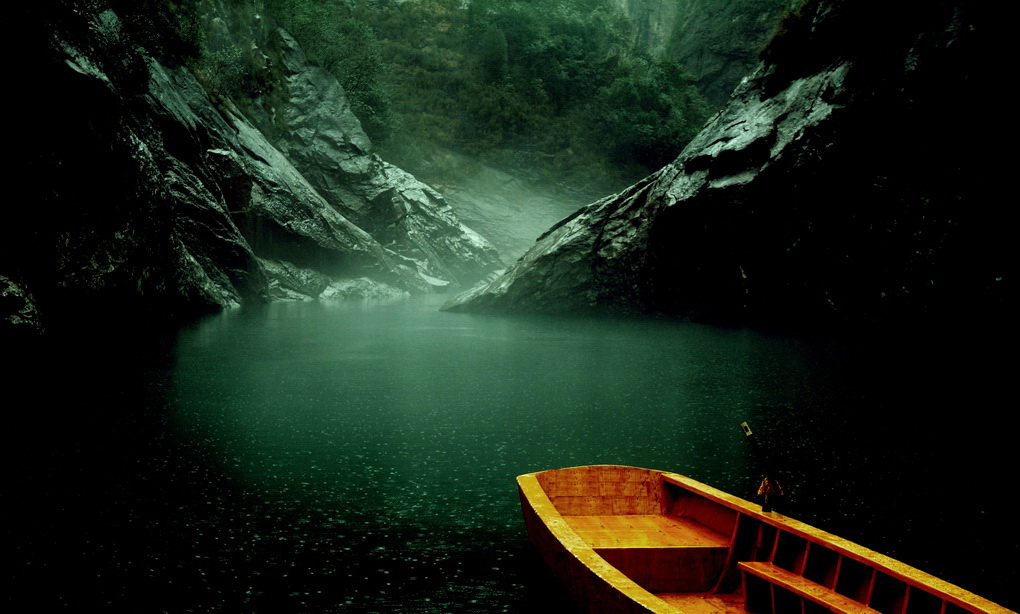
(550, 87)
(569, 90)
(837, 188)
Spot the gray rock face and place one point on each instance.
(148, 194)
(560, 273)
(829, 189)
(130, 212)
(294, 283)
(511, 212)
(598, 257)
(326, 143)
(716, 42)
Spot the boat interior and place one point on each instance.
(695, 549)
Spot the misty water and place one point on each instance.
(360, 457)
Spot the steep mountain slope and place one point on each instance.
(144, 194)
(840, 184)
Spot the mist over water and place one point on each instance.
(316, 457)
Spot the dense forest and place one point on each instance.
(558, 90)
(527, 85)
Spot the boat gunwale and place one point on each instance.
(892, 567)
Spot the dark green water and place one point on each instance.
(361, 458)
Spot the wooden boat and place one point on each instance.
(624, 540)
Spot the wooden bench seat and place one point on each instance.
(644, 531)
(662, 553)
(805, 588)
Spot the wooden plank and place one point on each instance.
(705, 603)
(660, 553)
(651, 531)
(881, 563)
(603, 489)
(692, 569)
(806, 588)
(594, 583)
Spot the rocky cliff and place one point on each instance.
(841, 183)
(320, 135)
(717, 42)
(141, 192)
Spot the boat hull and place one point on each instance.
(630, 540)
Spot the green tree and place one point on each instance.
(554, 79)
(493, 55)
(650, 112)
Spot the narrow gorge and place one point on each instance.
(839, 185)
(291, 291)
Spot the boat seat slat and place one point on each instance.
(807, 589)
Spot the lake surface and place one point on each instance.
(360, 457)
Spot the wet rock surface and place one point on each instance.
(324, 139)
(146, 192)
(836, 186)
